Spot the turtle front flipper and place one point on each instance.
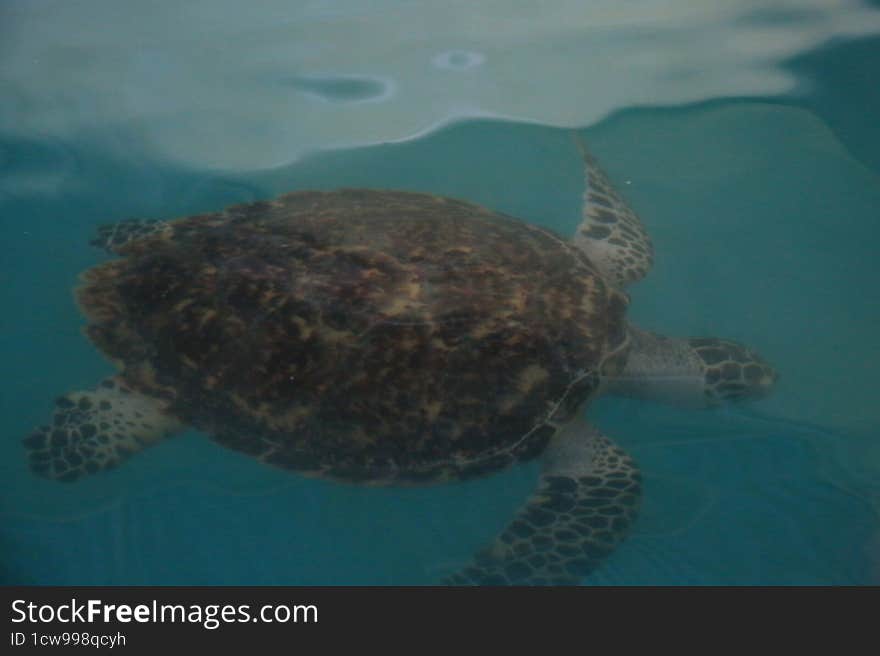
(96, 430)
(611, 234)
(690, 372)
(112, 237)
(586, 501)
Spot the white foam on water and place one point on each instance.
(236, 85)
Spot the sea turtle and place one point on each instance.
(391, 337)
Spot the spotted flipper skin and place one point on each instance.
(112, 237)
(610, 233)
(585, 504)
(95, 430)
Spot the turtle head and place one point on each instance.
(733, 371)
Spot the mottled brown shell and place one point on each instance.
(364, 335)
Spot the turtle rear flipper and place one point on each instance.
(96, 430)
(586, 501)
(611, 234)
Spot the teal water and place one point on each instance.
(764, 215)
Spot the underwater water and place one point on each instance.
(746, 139)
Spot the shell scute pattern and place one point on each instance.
(358, 334)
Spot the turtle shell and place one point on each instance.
(359, 334)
